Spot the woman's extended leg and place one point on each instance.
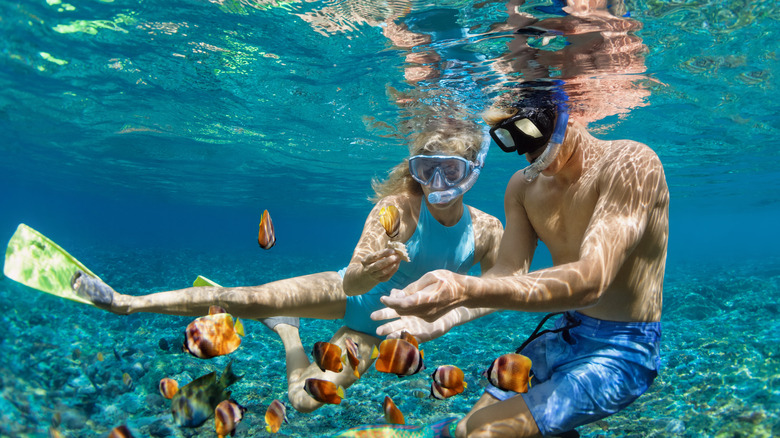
(317, 295)
(299, 368)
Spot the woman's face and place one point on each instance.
(443, 171)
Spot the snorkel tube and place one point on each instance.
(445, 196)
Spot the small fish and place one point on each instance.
(213, 335)
(266, 237)
(324, 391)
(100, 357)
(56, 419)
(76, 354)
(54, 432)
(510, 372)
(215, 310)
(399, 357)
(127, 380)
(440, 392)
(328, 356)
(352, 355)
(390, 219)
(120, 432)
(393, 415)
(195, 402)
(227, 415)
(449, 377)
(408, 337)
(274, 416)
(168, 388)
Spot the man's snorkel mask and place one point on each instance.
(541, 119)
(445, 196)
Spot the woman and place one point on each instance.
(445, 160)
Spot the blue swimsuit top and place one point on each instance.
(432, 246)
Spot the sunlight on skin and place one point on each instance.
(374, 241)
(509, 418)
(609, 202)
(602, 210)
(311, 296)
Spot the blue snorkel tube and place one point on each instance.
(444, 196)
(554, 145)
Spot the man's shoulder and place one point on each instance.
(631, 153)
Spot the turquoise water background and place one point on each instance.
(147, 138)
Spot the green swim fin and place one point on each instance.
(203, 281)
(35, 261)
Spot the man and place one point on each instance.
(601, 207)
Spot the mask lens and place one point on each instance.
(506, 137)
(452, 169)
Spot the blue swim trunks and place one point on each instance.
(587, 372)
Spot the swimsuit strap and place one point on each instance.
(570, 324)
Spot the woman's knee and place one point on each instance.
(301, 401)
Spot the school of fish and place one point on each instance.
(218, 334)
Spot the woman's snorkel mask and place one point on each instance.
(540, 121)
(445, 196)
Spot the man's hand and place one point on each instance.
(422, 330)
(429, 298)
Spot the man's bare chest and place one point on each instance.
(560, 218)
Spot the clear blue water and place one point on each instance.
(147, 137)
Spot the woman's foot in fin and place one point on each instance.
(92, 289)
(273, 321)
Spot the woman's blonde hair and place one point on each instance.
(446, 136)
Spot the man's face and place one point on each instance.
(532, 156)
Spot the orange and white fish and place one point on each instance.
(448, 380)
(266, 237)
(449, 376)
(393, 415)
(352, 355)
(408, 337)
(510, 372)
(120, 432)
(213, 335)
(324, 391)
(328, 356)
(390, 219)
(227, 415)
(440, 393)
(275, 415)
(168, 387)
(398, 356)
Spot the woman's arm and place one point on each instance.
(372, 261)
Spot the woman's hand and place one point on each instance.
(381, 265)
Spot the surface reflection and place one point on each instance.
(592, 46)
